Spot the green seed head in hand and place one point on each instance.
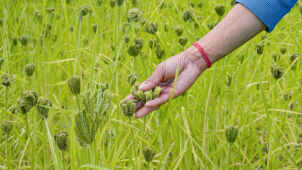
(128, 107)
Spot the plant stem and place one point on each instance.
(63, 160)
(44, 147)
(133, 140)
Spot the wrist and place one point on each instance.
(194, 56)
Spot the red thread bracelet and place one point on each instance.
(203, 54)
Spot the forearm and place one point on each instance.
(238, 27)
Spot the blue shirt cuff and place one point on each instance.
(270, 12)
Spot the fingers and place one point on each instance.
(158, 101)
(154, 79)
(144, 111)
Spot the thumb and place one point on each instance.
(154, 79)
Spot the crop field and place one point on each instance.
(67, 65)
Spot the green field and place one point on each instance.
(56, 39)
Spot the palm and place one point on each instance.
(164, 76)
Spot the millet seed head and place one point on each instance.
(220, 10)
(151, 28)
(148, 154)
(134, 15)
(102, 86)
(133, 50)
(132, 77)
(61, 140)
(30, 69)
(84, 10)
(112, 3)
(231, 133)
(134, 89)
(126, 39)
(6, 126)
(119, 2)
(187, 15)
(140, 95)
(50, 10)
(148, 95)
(283, 50)
(24, 106)
(156, 92)
(159, 52)
(277, 72)
(74, 84)
(43, 106)
(259, 48)
(182, 41)
(30, 97)
(178, 30)
(139, 42)
(152, 43)
(128, 107)
(5, 80)
(23, 40)
(200, 4)
(14, 40)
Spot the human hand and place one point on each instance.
(190, 65)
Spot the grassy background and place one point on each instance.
(187, 133)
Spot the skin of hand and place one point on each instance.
(239, 26)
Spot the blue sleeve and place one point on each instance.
(270, 12)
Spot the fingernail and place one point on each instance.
(142, 86)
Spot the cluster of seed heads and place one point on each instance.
(30, 69)
(148, 154)
(145, 96)
(5, 80)
(182, 41)
(231, 133)
(43, 106)
(27, 101)
(283, 50)
(87, 121)
(23, 40)
(128, 107)
(220, 10)
(119, 2)
(151, 28)
(74, 84)
(84, 10)
(178, 30)
(187, 15)
(277, 72)
(61, 140)
(132, 78)
(259, 48)
(134, 15)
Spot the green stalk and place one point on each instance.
(144, 64)
(63, 160)
(44, 147)
(133, 142)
